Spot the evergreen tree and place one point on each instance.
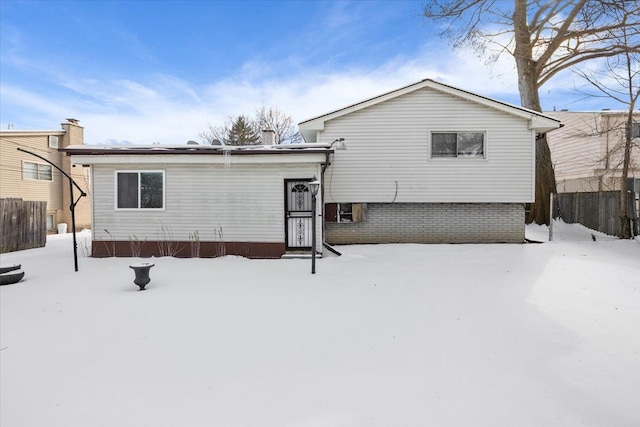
(242, 132)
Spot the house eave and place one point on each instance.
(538, 121)
(86, 155)
(6, 133)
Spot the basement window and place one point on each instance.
(140, 190)
(345, 212)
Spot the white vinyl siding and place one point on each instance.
(245, 202)
(388, 156)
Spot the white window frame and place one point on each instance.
(38, 166)
(635, 130)
(139, 171)
(457, 157)
(53, 221)
(54, 141)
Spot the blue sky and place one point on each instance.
(158, 71)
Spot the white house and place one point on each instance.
(428, 163)
(424, 163)
(201, 200)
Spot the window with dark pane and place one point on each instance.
(443, 144)
(151, 190)
(457, 144)
(128, 190)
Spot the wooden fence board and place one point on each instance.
(595, 210)
(23, 224)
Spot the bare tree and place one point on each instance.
(544, 37)
(285, 130)
(215, 135)
(619, 79)
(266, 118)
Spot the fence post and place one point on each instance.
(551, 217)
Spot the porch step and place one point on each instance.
(299, 255)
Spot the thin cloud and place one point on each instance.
(167, 109)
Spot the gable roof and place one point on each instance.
(539, 122)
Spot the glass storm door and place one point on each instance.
(298, 214)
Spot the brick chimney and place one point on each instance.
(74, 133)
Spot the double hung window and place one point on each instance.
(140, 190)
(458, 144)
(37, 171)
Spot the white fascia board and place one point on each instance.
(133, 159)
(32, 132)
(542, 124)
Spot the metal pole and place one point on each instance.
(551, 217)
(73, 225)
(313, 231)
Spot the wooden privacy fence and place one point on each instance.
(595, 210)
(23, 224)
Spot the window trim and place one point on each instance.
(38, 164)
(139, 171)
(56, 139)
(485, 154)
(53, 221)
(635, 130)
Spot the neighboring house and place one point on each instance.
(425, 163)
(29, 178)
(587, 151)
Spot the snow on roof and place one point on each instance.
(196, 149)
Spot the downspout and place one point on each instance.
(326, 164)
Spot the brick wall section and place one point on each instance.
(433, 223)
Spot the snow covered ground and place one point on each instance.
(386, 335)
